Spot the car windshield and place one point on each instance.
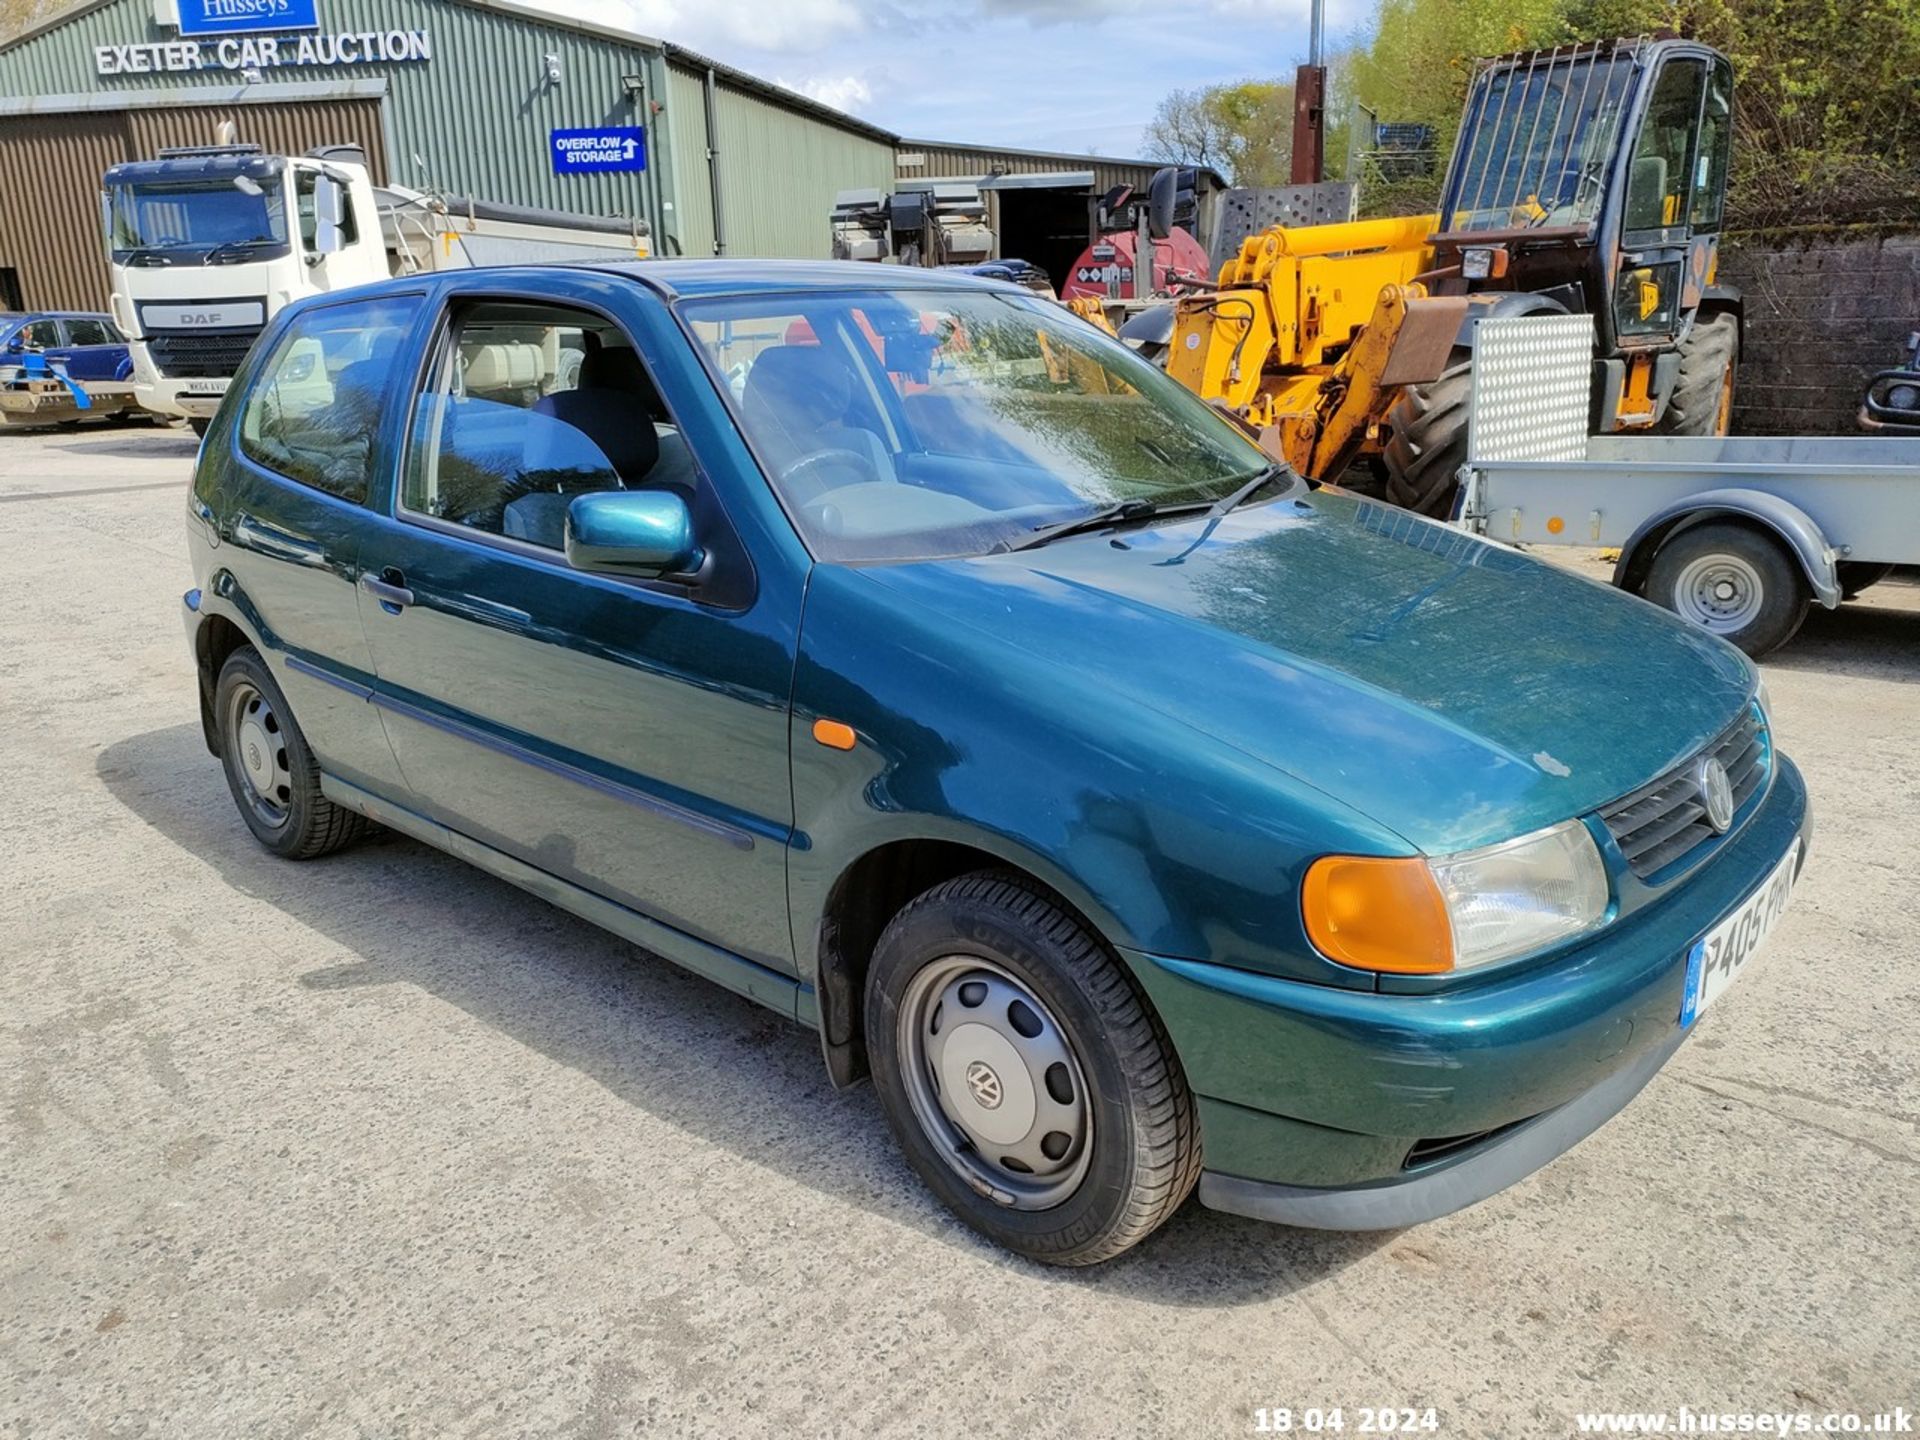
(902, 424)
(197, 216)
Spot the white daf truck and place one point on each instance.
(206, 244)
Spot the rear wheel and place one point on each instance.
(1023, 1075)
(1735, 582)
(273, 776)
(1428, 445)
(1702, 398)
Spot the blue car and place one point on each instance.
(89, 347)
(61, 366)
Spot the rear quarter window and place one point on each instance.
(314, 409)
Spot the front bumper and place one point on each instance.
(1363, 1109)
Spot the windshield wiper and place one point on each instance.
(213, 255)
(1227, 504)
(1098, 520)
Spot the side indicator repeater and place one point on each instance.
(834, 735)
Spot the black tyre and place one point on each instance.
(1736, 582)
(1858, 575)
(198, 424)
(1428, 444)
(1702, 399)
(1023, 1074)
(271, 772)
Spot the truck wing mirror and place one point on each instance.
(329, 215)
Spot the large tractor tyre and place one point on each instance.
(1428, 445)
(1732, 581)
(1702, 399)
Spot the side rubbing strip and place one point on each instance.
(732, 835)
(302, 667)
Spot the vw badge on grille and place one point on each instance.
(1716, 794)
(985, 1085)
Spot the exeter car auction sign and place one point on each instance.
(234, 35)
(610, 147)
(263, 52)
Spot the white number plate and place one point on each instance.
(207, 387)
(1718, 957)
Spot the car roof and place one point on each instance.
(54, 315)
(678, 279)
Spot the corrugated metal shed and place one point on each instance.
(773, 169)
(937, 161)
(473, 118)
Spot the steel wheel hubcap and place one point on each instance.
(995, 1084)
(259, 747)
(1721, 593)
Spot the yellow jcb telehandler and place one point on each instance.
(1588, 179)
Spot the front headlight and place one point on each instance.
(1453, 912)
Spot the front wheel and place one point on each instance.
(1702, 398)
(199, 424)
(1024, 1076)
(1739, 584)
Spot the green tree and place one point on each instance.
(1244, 130)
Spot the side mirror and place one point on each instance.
(329, 214)
(647, 534)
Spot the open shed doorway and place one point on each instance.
(1046, 223)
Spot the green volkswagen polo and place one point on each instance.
(899, 651)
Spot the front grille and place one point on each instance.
(200, 354)
(1662, 823)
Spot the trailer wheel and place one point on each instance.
(1702, 398)
(1733, 581)
(1429, 441)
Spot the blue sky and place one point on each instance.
(1076, 75)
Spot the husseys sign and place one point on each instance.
(258, 35)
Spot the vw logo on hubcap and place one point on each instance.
(985, 1085)
(1716, 794)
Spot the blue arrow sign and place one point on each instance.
(614, 147)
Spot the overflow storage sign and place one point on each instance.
(612, 147)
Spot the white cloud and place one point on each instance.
(791, 25)
(850, 93)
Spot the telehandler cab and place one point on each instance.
(1585, 179)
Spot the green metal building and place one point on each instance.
(458, 96)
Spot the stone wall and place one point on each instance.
(1823, 313)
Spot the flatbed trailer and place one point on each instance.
(1737, 534)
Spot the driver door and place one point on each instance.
(627, 736)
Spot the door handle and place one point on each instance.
(389, 589)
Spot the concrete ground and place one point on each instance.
(381, 1146)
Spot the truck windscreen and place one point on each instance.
(200, 222)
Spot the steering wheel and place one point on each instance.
(805, 483)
